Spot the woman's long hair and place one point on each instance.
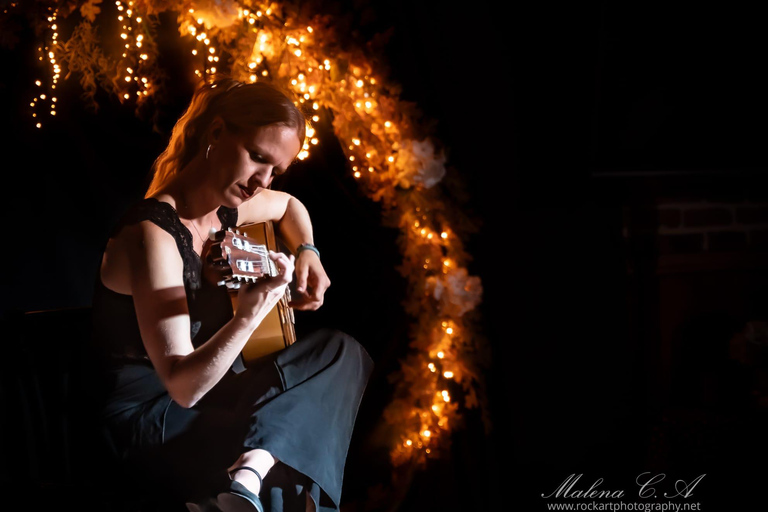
(240, 105)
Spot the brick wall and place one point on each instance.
(689, 226)
(698, 269)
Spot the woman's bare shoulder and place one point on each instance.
(136, 249)
(266, 205)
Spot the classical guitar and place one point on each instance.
(245, 251)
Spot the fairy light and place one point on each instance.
(48, 53)
(134, 55)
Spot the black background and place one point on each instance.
(555, 115)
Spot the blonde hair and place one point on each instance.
(240, 105)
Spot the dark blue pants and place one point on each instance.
(299, 404)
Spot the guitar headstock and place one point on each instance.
(242, 258)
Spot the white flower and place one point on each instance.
(419, 165)
(217, 13)
(457, 292)
(431, 173)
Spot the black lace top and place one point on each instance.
(116, 331)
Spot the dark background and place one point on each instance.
(557, 117)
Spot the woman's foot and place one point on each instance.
(238, 499)
(250, 468)
(208, 506)
(248, 477)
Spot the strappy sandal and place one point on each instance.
(237, 498)
(207, 506)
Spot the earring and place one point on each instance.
(207, 151)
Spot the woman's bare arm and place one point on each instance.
(295, 225)
(156, 271)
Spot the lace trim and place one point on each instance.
(167, 218)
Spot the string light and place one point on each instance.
(135, 56)
(47, 52)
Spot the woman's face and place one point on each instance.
(245, 163)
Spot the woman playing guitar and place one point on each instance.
(186, 424)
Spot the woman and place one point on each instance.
(185, 423)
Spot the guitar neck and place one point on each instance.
(245, 251)
(277, 330)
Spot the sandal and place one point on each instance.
(237, 498)
(207, 506)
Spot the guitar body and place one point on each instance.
(276, 331)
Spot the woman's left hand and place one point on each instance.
(311, 282)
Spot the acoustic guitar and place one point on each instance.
(245, 252)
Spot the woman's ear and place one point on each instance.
(215, 129)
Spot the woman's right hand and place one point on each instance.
(255, 300)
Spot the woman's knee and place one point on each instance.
(349, 350)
